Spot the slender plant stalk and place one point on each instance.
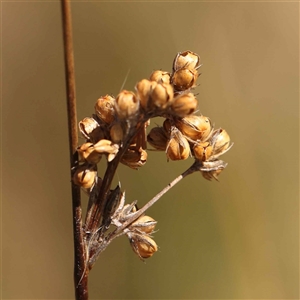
(80, 271)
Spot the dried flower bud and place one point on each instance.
(160, 76)
(106, 146)
(116, 133)
(85, 176)
(105, 109)
(160, 96)
(211, 170)
(144, 224)
(157, 138)
(178, 147)
(143, 90)
(142, 245)
(127, 104)
(134, 158)
(202, 151)
(86, 152)
(184, 79)
(87, 126)
(186, 60)
(195, 127)
(184, 105)
(220, 141)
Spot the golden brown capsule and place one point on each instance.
(183, 105)
(144, 224)
(184, 79)
(178, 147)
(160, 76)
(142, 245)
(143, 89)
(134, 158)
(85, 176)
(127, 104)
(212, 169)
(161, 96)
(157, 138)
(106, 147)
(116, 133)
(86, 152)
(105, 109)
(187, 60)
(195, 127)
(87, 126)
(220, 142)
(202, 151)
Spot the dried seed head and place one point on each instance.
(105, 109)
(209, 175)
(106, 147)
(143, 90)
(142, 245)
(195, 127)
(184, 105)
(127, 104)
(116, 133)
(161, 96)
(87, 153)
(184, 79)
(85, 176)
(134, 158)
(160, 76)
(178, 147)
(211, 169)
(202, 151)
(87, 126)
(144, 224)
(187, 60)
(220, 141)
(157, 138)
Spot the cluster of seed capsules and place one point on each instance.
(122, 121)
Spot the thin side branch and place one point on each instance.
(80, 279)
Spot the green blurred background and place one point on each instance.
(235, 239)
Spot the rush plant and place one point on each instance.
(117, 132)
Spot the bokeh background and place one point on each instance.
(233, 239)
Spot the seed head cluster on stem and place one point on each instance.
(117, 132)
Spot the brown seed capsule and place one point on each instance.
(127, 104)
(160, 76)
(85, 176)
(87, 126)
(116, 133)
(144, 224)
(184, 79)
(211, 170)
(143, 90)
(167, 125)
(202, 151)
(187, 60)
(142, 245)
(220, 140)
(106, 147)
(86, 152)
(161, 96)
(184, 105)
(178, 147)
(105, 109)
(134, 158)
(157, 138)
(195, 127)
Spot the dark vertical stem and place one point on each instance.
(80, 271)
